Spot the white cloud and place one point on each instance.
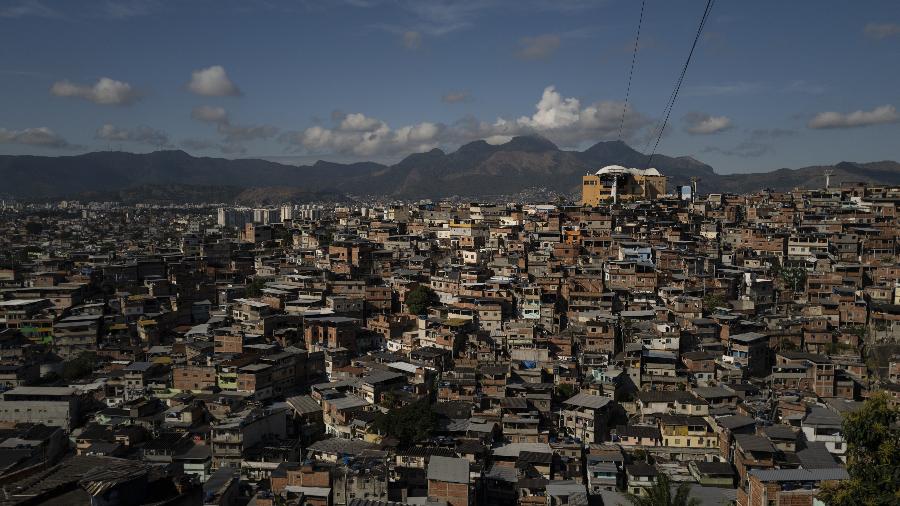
(553, 111)
(139, 135)
(881, 30)
(357, 122)
(496, 140)
(561, 119)
(540, 47)
(209, 114)
(704, 124)
(412, 39)
(361, 135)
(879, 115)
(566, 122)
(40, 136)
(212, 82)
(105, 91)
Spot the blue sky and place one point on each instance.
(773, 84)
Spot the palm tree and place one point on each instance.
(660, 494)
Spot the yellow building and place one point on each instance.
(614, 183)
(682, 431)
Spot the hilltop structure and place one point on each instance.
(615, 183)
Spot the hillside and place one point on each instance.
(475, 169)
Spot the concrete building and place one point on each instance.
(448, 480)
(614, 183)
(48, 405)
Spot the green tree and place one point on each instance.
(714, 300)
(419, 298)
(873, 453)
(408, 424)
(79, 367)
(254, 287)
(565, 391)
(660, 494)
(794, 277)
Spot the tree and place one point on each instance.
(660, 494)
(794, 277)
(33, 228)
(80, 366)
(408, 424)
(564, 391)
(873, 453)
(419, 298)
(254, 288)
(714, 300)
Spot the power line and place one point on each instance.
(674, 96)
(637, 39)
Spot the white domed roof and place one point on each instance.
(618, 169)
(612, 169)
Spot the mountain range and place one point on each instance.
(475, 169)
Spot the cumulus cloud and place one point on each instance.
(212, 82)
(565, 121)
(361, 135)
(412, 39)
(881, 30)
(456, 97)
(561, 119)
(879, 115)
(698, 123)
(139, 135)
(105, 91)
(540, 47)
(40, 136)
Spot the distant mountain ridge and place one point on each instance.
(475, 169)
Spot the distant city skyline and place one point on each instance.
(772, 84)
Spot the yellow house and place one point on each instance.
(682, 431)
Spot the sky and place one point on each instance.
(771, 84)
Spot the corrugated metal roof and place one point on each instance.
(304, 404)
(588, 401)
(449, 469)
(834, 473)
